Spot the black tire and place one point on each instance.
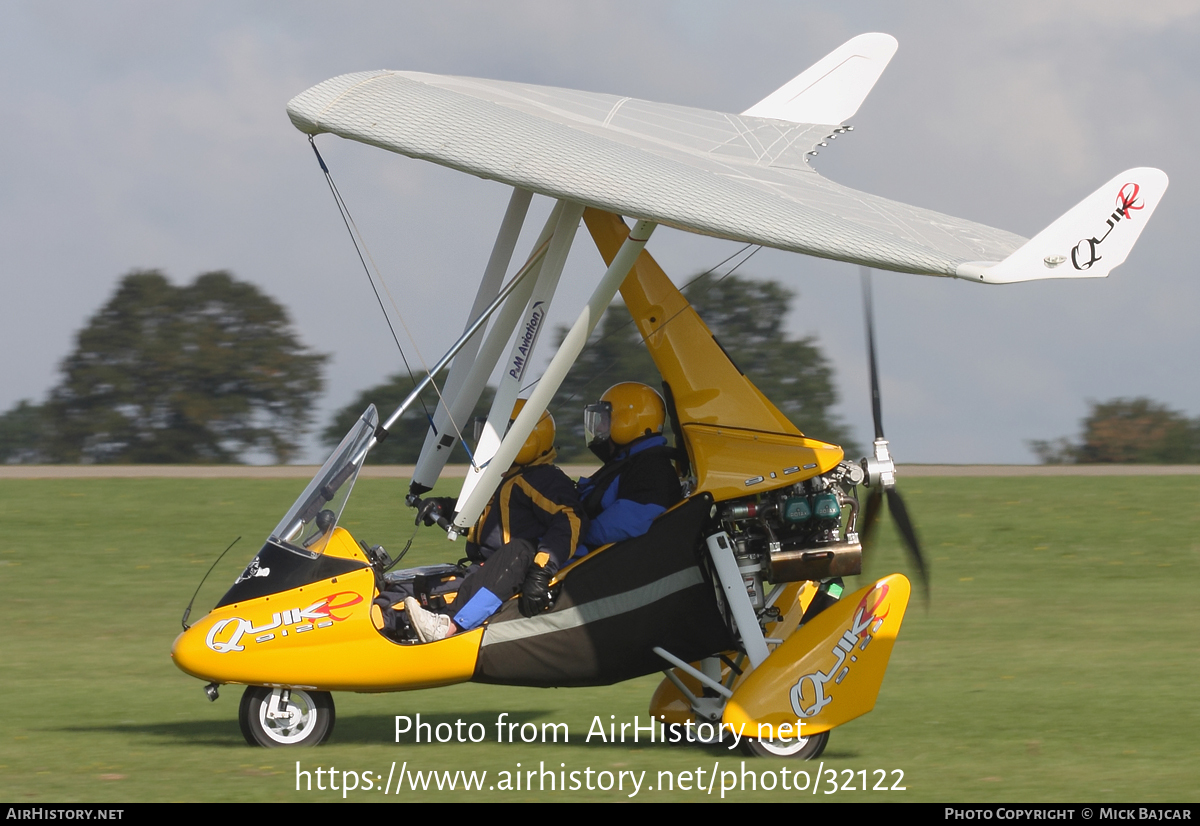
(810, 748)
(310, 722)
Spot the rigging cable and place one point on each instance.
(355, 238)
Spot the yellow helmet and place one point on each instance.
(540, 441)
(626, 412)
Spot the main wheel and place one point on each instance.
(806, 748)
(305, 720)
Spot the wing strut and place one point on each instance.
(565, 220)
(471, 503)
(459, 394)
(513, 287)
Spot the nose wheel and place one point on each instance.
(806, 748)
(277, 717)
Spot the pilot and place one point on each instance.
(531, 527)
(637, 481)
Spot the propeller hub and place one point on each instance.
(880, 469)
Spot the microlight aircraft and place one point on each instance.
(728, 593)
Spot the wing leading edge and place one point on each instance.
(740, 177)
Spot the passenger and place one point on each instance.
(638, 481)
(531, 527)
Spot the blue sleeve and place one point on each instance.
(624, 519)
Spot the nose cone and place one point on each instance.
(192, 656)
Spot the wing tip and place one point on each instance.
(1089, 241)
(306, 108)
(832, 89)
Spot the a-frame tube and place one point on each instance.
(521, 354)
(511, 287)
(495, 342)
(470, 506)
(440, 440)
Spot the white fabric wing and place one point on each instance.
(731, 176)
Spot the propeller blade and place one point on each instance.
(869, 313)
(881, 469)
(870, 517)
(904, 525)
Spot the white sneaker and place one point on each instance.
(428, 625)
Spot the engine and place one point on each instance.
(804, 532)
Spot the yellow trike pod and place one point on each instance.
(826, 673)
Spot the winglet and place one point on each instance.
(1089, 241)
(833, 88)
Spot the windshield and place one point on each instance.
(311, 520)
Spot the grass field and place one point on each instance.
(1057, 661)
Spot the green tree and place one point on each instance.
(1127, 431)
(403, 443)
(24, 434)
(208, 372)
(747, 317)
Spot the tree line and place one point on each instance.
(213, 372)
(1127, 431)
(210, 372)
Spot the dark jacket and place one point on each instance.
(537, 502)
(626, 495)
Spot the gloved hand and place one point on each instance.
(434, 508)
(535, 592)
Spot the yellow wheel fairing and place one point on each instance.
(830, 670)
(319, 636)
(792, 604)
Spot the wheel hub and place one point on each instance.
(290, 722)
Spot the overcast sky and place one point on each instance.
(145, 135)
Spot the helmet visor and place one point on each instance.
(597, 422)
